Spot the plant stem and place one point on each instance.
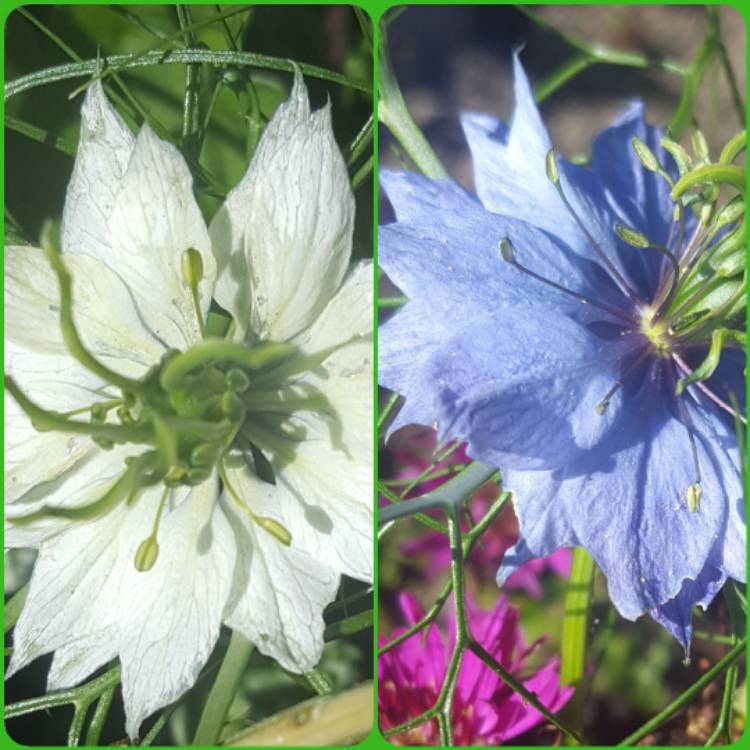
(575, 634)
(217, 58)
(14, 607)
(684, 698)
(451, 493)
(341, 719)
(393, 113)
(223, 691)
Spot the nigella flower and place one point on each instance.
(485, 710)
(173, 479)
(553, 347)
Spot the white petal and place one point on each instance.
(171, 614)
(74, 572)
(103, 310)
(76, 660)
(163, 623)
(326, 483)
(283, 237)
(80, 485)
(154, 220)
(24, 445)
(280, 592)
(327, 500)
(347, 316)
(104, 149)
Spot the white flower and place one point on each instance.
(145, 560)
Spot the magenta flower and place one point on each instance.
(485, 710)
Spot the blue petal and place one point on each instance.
(405, 344)
(639, 198)
(676, 615)
(510, 177)
(446, 252)
(523, 391)
(509, 164)
(626, 503)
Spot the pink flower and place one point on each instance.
(413, 450)
(485, 710)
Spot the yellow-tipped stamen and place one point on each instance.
(273, 527)
(148, 550)
(192, 273)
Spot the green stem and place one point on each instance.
(348, 626)
(531, 698)
(14, 607)
(447, 692)
(575, 634)
(693, 78)
(684, 698)
(94, 732)
(601, 53)
(449, 494)
(223, 691)
(61, 144)
(395, 115)
(470, 540)
(560, 76)
(191, 106)
(217, 58)
(319, 682)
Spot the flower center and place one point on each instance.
(187, 412)
(656, 330)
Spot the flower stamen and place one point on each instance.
(553, 174)
(148, 549)
(508, 254)
(273, 527)
(192, 272)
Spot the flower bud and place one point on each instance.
(237, 380)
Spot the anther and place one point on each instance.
(148, 549)
(192, 267)
(275, 529)
(638, 240)
(192, 272)
(695, 490)
(146, 554)
(603, 405)
(645, 155)
(694, 494)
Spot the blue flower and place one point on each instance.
(536, 334)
